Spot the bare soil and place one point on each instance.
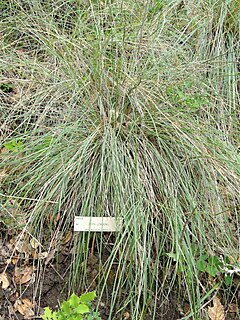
(33, 284)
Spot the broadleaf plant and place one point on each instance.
(75, 308)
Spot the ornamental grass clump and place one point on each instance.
(120, 111)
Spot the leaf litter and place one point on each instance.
(217, 311)
(24, 307)
(4, 280)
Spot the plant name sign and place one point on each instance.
(97, 224)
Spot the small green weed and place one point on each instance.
(212, 265)
(185, 97)
(217, 266)
(75, 308)
(6, 87)
(14, 145)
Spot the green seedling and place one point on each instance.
(45, 143)
(75, 308)
(14, 145)
(214, 266)
(6, 87)
(181, 96)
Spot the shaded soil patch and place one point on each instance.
(32, 284)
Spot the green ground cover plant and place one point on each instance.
(127, 109)
(75, 308)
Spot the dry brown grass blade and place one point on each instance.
(217, 311)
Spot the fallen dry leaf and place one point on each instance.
(39, 255)
(50, 256)
(3, 174)
(67, 237)
(24, 306)
(22, 247)
(54, 218)
(34, 243)
(13, 260)
(4, 280)
(43, 255)
(23, 274)
(217, 311)
(232, 308)
(126, 315)
(16, 304)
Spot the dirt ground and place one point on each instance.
(27, 284)
(31, 280)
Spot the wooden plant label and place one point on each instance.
(97, 224)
